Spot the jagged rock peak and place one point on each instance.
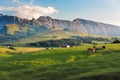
(44, 18)
(76, 19)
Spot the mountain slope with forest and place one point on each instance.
(14, 29)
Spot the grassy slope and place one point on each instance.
(6, 50)
(52, 35)
(11, 28)
(63, 64)
(47, 36)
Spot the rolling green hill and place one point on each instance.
(62, 64)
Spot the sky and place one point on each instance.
(107, 11)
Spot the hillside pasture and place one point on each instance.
(63, 64)
(4, 49)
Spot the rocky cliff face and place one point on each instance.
(82, 25)
(13, 25)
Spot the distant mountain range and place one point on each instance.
(15, 26)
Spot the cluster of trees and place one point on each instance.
(76, 41)
(116, 41)
(58, 43)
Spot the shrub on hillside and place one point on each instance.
(116, 41)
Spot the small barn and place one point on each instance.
(65, 46)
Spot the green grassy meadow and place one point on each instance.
(62, 64)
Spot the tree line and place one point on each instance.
(61, 42)
(58, 43)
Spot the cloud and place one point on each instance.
(29, 11)
(31, 2)
(6, 8)
(15, 1)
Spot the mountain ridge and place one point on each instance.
(12, 25)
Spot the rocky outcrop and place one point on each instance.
(43, 23)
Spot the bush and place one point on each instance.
(116, 41)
